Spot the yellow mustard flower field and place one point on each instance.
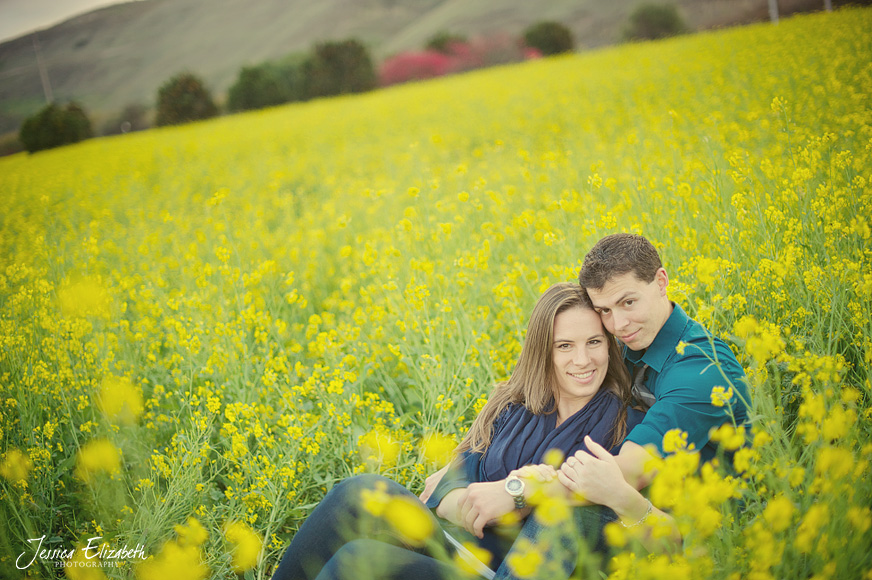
(205, 327)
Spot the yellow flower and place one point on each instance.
(246, 543)
(615, 534)
(817, 516)
(191, 533)
(410, 518)
(779, 513)
(554, 458)
(375, 500)
(97, 456)
(174, 561)
(16, 466)
(679, 348)
(674, 440)
(84, 298)
(552, 510)
(730, 437)
(120, 400)
(834, 463)
(438, 448)
(82, 568)
(378, 447)
(745, 327)
(721, 396)
(480, 554)
(524, 559)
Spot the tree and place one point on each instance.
(183, 99)
(337, 68)
(256, 87)
(134, 117)
(653, 21)
(549, 38)
(54, 126)
(443, 41)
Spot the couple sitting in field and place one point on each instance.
(605, 406)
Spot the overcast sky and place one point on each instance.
(18, 17)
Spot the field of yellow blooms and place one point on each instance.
(204, 327)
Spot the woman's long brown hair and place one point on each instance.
(533, 382)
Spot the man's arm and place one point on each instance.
(633, 460)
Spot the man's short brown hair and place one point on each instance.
(616, 255)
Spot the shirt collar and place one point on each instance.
(664, 343)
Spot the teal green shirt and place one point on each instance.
(682, 384)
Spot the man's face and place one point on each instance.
(633, 310)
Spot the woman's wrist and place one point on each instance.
(631, 506)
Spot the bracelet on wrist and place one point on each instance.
(643, 518)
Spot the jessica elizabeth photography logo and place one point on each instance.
(92, 555)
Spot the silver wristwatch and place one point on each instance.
(515, 488)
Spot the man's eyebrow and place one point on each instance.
(630, 294)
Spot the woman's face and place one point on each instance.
(581, 356)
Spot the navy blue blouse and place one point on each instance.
(522, 438)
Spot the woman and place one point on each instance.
(569, 384)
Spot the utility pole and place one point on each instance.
(773, 11)
(43, 73)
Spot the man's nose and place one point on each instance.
(620, 321)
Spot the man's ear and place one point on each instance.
(662, 279)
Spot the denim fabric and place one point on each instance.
(562, 546)
(342, 541)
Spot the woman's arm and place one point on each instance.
(599, 480)
(483, 504)
(431, 482)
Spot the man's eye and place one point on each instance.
(629, 302)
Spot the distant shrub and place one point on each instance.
(414, 66)
(183, 99)
(336, 68)
(443, 41)
(54, 126)
(549, 38)
(256, 87)
(133, 117)
(460, 57)
(489, 51)
(653, 21)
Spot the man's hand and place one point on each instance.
(431, 482)
(483, 504)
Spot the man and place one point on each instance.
(675, 363)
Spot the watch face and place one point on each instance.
(514, 486)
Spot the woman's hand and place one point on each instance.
(483, 504)
(431, 482)
(596, 477)
(542, 472)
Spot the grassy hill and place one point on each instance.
(120, 55)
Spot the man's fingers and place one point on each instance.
(478, 526)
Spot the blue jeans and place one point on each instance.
(563, 547)
(342, 541)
